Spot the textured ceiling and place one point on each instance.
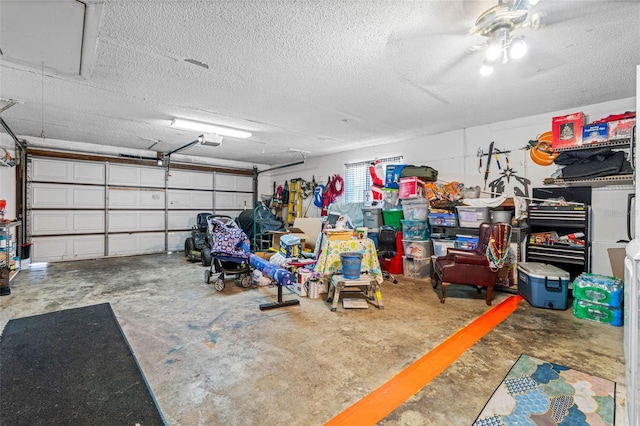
(320, 76)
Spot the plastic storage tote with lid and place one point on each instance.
(472, 217)
(372, 217)
(416, 267)
(443, 219)
(417, 248)
(415, 208)
(415, 230)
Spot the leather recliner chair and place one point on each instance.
(470, 267)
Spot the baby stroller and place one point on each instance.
(230, 249)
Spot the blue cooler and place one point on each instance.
(543, 286)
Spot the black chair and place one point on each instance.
(387, 248)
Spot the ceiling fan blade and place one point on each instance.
(555, 13)
(477, 46)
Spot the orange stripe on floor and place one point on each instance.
(382, 401)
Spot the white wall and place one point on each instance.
(454, 155)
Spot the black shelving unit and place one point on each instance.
(564, 220)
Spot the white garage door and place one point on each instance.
(192, 192)
(81, 209)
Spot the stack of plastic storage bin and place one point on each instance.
(598, 298)
(416, 261)
(441, 242)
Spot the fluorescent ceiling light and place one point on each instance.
(209, 128)
(303, 151)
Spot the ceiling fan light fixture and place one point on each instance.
(493, 51)
(518, 49)
(486, 69)
(209, 128)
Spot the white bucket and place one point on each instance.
(501, 216)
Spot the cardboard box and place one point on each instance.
(266, 255)
(276, 235)
(392, 175)
(616, 258)
(411, 187)
(621, 129)
(333, 235)
(595, 133)
(311, 228)
(300, 286)
(566, 130)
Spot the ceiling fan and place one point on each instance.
(497, 24)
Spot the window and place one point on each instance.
(357, 180)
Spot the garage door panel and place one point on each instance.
(66, 222)
(51, 249)
(135, 175)
(175, 241)
(135, 198)
(152, 199)
(152, 177)
(123, 221)
(229, 182)
(123, 198)
(68, 201)
(46, 195)
(244, 201)
(190, 179)
(231, 213)
(151, 221)
(190, 199)
(225, 200)
(122, 175)
(88, 197)
(203, 200)
(47, 170)
(88, 173)
(132, 221)
(230, 200)
(131, 244)
(85, 247)
(183, 219)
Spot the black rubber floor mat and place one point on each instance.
(72, 367)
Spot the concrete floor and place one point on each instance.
(213, 358)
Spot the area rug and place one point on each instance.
(72, 367)
(542, 393)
